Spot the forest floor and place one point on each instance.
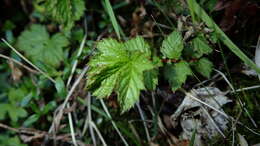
(129, 72)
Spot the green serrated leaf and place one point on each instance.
(48, 107)
(10, 141)
(138, 44)
(3, 111)
(37, 44)
(177, 74)
(204, 67)
(172, 46)
(151, 79)
(65, 12)
(119, 67)
(32, 119)
(131, 81)
(200, 47)
(16, 112)
(60, 87)
(15, 96)
(107, 86)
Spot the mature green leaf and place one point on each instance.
(138, 44)
(119, 67)
(16, 112)
(200, 47)
(10, 141)
(32, 119)
(15, 96)
(107, 86)
(131, 80)
(48, 107)
(3, 111)
(13, 111)
(151, 79)
(60, 87)
(204, 67)
(65, 12)
(39, 46)
(177, 74)
(172, 46)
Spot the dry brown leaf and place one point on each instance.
(16, 72)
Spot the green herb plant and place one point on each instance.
(129, 67)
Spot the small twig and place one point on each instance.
(243, 89)
(213, 122)
(225, 78)
(160, 123)
(72, 128)
(250, 117)
(29, 62)
(98, 133)
(233, 128)
(19, 63)
(222, 113)
(205, 81)
(113, 123)
(86, 124)
(234, 91)
(204, 103)
(76, 61)
(134, 131)
(90, 120)
(57, 119)
(144, 123)
(9, 128)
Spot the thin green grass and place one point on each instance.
(192, 141)
(112, 17)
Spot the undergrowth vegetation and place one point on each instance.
(114, 72)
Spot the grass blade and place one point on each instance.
(192, 141)
(112, 17)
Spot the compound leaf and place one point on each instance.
(172, 46)
(204, 67)
(65, 12)
(151, 79)
(40, 47)
(200, 47)
(177, 74)
(138, 44)
(119, 67)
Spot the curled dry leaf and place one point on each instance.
(194, 115)
(242, 140)
(16, 72)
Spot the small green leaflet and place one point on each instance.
(151, 79)
(151, 76)
(177, 73)
(13, 111)
(65, 12)
(138, 44)
(10, 141)
(172, 46)
(200, 47)
(40, 47)
(60, 87)
(204, 67)
(119, 67)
